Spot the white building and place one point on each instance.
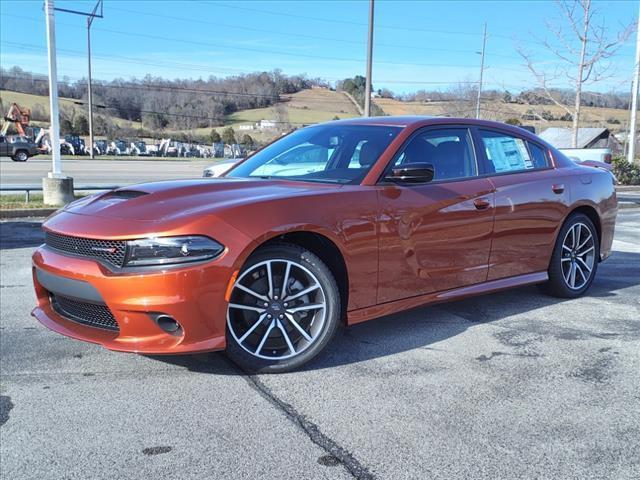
(267, 124)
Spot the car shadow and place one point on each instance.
(21, 234)
(425, 326)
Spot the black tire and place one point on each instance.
(557, 285)
(238, 321)
(20, 156)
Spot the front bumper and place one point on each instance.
(194, 295)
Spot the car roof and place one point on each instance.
(423, 120)
(416, 121)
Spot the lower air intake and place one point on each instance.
(91, 314)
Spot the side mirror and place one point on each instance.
(412, 173)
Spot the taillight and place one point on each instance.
(607, 158)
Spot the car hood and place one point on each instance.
(162, 201)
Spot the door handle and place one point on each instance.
(558, 188)
(481, 203)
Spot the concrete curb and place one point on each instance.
(27, 212)
(627, 188)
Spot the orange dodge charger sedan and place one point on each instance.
(340, 222)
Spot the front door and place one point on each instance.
(435, 236)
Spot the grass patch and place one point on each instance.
(17, 201)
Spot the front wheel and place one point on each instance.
(575, 258)
(283, 310)
(20, 156)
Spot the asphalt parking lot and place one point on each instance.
(512, 385)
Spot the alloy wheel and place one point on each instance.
(578, 256)
(277, 309)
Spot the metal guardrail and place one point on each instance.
(38, 188)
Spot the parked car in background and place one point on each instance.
(335, 223)
(73, 145)
(139, 149)
(100, 147)
(118, 147)
(19, 149)
(602, 155)
(218, 168)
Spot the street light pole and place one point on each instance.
(54, 130)
(367, 89)
(484, 45)
(57, 190)
(634, 99)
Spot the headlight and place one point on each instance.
(168, 250)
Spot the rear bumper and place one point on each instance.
(193, 295)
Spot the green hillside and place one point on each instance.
(304, 107)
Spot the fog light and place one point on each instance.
(168, 324)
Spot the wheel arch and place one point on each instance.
(320, 245)
(20, 150)
(592, 214)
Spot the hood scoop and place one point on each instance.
(123, 194)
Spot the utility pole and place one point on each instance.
(89, 94)
(54, 130)
(484, 45)
(90, 16)
(634, 99)
(367, 89)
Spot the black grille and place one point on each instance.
(109, 251)
(82, 312)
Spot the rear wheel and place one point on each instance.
(20, 156)
(283, 310)
(575, 258)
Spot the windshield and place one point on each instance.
(324, 153)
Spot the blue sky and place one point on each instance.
(415, 41)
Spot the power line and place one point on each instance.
(193, 67)
(257, 50)
(342, 21)
(287, 34)
(133, 60)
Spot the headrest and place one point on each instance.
(369, 153)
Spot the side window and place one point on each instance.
(303, 154)
(539, 156)
(506, 153)
(448, 150)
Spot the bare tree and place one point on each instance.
(582, 47)
(281, 115)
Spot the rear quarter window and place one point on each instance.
(539, 156)
(507, 153)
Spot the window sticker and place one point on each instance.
(507, 154)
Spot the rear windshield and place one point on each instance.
(325, 153)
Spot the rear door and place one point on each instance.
(435, 236)
(530, 202)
